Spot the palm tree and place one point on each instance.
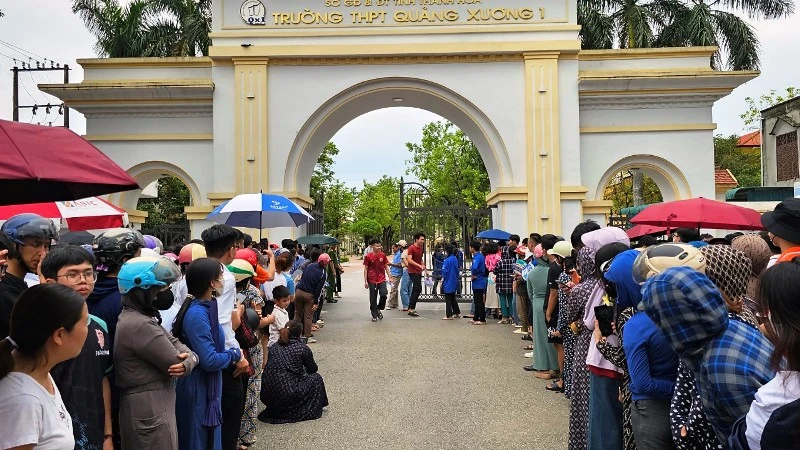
(121, 31)
(597, 28)
(193, 21)
(713, 23)
(147, 27)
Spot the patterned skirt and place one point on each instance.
(247, 432)
(579, 400)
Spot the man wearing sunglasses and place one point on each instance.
(30, 235)
(83, 381)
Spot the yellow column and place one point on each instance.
(252, 162)
(542, 144)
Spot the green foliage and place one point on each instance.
(450, 165)
(620, 191)
(752, 117)
(680, 23)
(167, 208)
(377, 210)
(338, 208)
(147, 27)
(323, 176)
(744, 163)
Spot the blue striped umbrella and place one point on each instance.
(260, 211)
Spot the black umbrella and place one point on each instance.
(76, 238)
(317, 239)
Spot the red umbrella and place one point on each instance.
(700, 213)
(47, 164)
(643, 230)
(85, 214)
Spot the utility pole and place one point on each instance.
(40, 67)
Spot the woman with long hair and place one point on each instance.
(49, 324)
(772, 422)
(292, 388)
(197, 325)
(545, 360)
(146, 357)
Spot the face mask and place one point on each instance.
(164, 300)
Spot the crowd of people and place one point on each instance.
(686, 343)
(121, 344)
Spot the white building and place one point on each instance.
(779, 149)
(552, 123)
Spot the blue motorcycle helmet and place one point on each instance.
(30, 226)
(147, 272)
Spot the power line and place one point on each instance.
(22, 51)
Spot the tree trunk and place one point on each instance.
(638, 187)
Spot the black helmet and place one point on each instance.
(30, 226)
(113, 246)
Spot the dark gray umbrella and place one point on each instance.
(76, 238)
(317, 239)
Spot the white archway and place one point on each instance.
(669, 179)
(381, 93)
(148, 172)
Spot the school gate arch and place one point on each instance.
(550, 121)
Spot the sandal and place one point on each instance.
(554, 387)
(543, 375)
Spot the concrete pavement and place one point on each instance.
(421, 383)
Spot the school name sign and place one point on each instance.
(360, 13)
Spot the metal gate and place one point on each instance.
(317, 226)
(442, 224)
(169, 234)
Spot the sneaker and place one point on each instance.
(311, 341)
(321, 322)
(413, 314)
(374, 319)
(520, 331)
(517, 326)
(389, 307)
(528, 355)
(380, 315)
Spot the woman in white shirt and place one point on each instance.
(49, 324)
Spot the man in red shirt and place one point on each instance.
(376, 268)
(415, 269)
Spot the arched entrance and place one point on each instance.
(386, 93)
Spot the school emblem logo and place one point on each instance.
(253, 12)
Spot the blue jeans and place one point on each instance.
(514, 315)
(405, 289)
(605, 414)
(505, 303)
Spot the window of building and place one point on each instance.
(786, 156)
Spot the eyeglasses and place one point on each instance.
(75, 277)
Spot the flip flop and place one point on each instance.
(554, 387)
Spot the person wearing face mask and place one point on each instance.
(147, 357)
(197, 325)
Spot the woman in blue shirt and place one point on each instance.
(199, 414)
(450, 279)
(479, 282)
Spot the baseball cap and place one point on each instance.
(402, 243)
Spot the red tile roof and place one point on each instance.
(750, 140)
(724, 176)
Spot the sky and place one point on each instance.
(49, 29)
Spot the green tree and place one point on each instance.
(323, 176)
(752, 117)
(167, 208)
(744, 163)
(716, 23)
(147, 27)
(450, 165)
(377, 210)
(338, 208)
(620, 191)
(597, 28)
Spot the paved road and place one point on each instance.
(421, 383)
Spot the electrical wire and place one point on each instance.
(22, 51)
